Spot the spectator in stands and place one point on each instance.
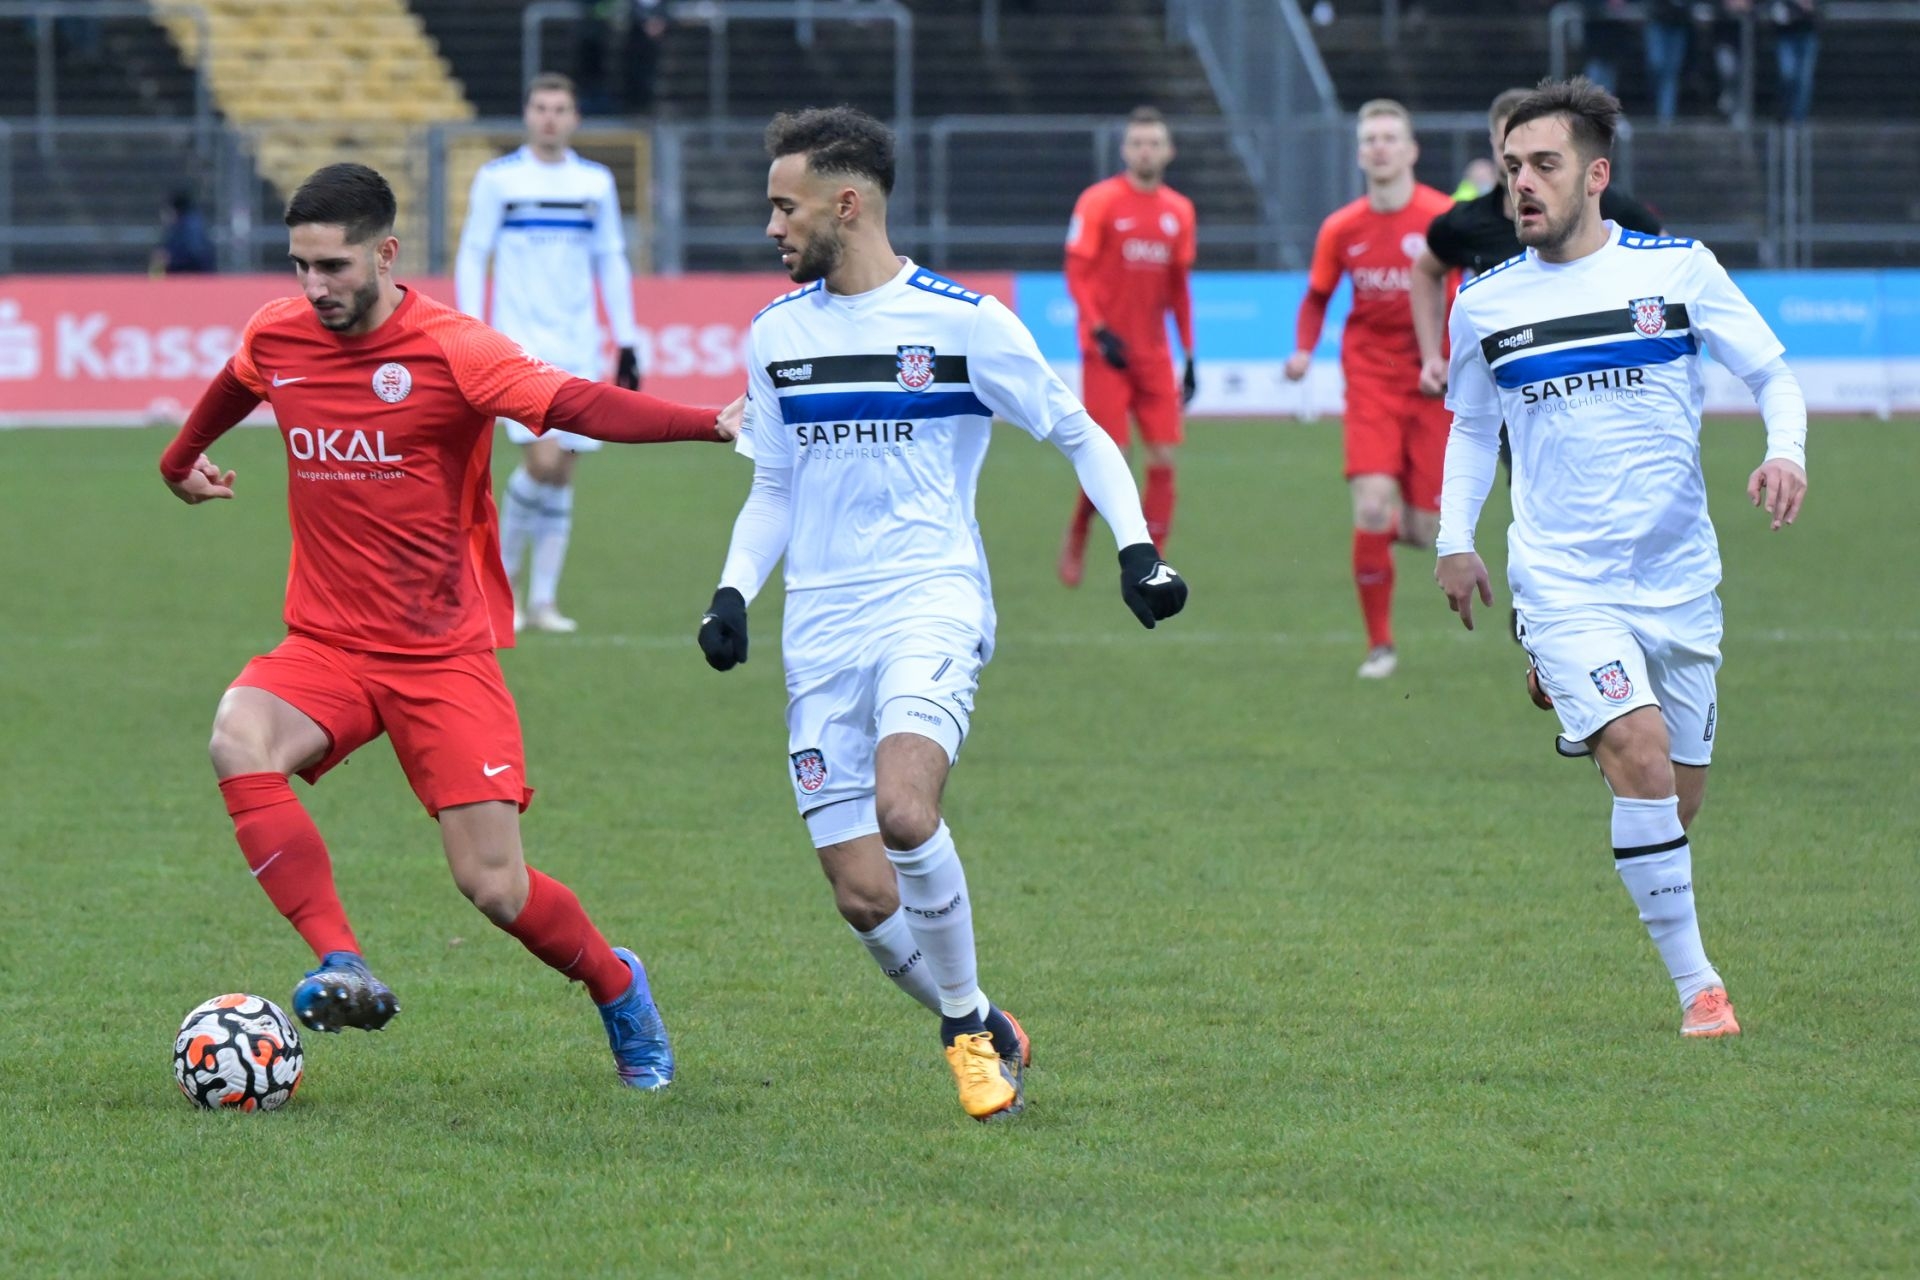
(646, 28)
(1796, 43)
(1604, 23)
(185, 247)
(1668, 32)
(1727, 62)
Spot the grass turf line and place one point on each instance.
(1325, 976)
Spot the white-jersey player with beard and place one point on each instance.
(549, 223)
(871, 395)
(1589, 346)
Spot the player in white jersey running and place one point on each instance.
(871, 394)
(1588, 344)
(549, 222)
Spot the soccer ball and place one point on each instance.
(237, 1051)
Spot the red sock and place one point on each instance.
(1373, 576)
(1157, 503)
(554, 926)
(287, 856)
(1083, 513)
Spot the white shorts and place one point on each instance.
(1598, 662)
(914, 680)
(580, 366)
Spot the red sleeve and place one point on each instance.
(1086, 238)
(603, 411)
(1183, 259)
(492, 373)
(219, 409)
(1182, 288)
(1322, 279)
(1082, 275)
(1313, 314)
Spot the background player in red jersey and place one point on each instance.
(396, 598)
(1396, 439)
(1130, 249)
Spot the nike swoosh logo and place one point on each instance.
(1162, 575)
(279, 381)
(1123, 224)
(492, 770)
(1355, 250)
(263, 866)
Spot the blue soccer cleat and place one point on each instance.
(636, 1034)
(343, 992)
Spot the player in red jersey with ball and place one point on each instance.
(1130, 250)
(1396, 439)
(396, 598)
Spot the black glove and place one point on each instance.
(1112, 350)
(1149, 585)
(723, 630)
(1189, 383)
(626, 373)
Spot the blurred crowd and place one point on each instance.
(1699, 41)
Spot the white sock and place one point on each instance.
(892, 947)
(519, 514)
(550, 544)
(1653, 858)
(933, 896)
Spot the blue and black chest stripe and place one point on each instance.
(1563, 347)
(549, 215)
(874, 388)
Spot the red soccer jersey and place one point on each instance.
(389, 440)
(1378, 250)
(1128, 255)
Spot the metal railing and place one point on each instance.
(1266, 73)
(720, 16)
(44, 14)
(1566, 31)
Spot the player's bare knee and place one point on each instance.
(239, 744)
(496, 892)
(865, 906)
(1633, 752)
(907, 821)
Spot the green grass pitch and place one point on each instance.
(1324, 977)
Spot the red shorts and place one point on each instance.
(1145, 388)
(1395, 431)
(452, 721)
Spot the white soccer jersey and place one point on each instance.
(550, 231)
(1595, 366)
(882, 404)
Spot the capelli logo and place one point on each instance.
(794, 372)
(1524, 338)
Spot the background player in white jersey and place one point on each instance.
(871, 393)
(550, 223)
(1589, 345)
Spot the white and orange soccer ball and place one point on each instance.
(237, 1051)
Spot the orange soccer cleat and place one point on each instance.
(1710, 1014)
(989, 1084)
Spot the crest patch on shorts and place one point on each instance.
(809, 770)
(1612, 682)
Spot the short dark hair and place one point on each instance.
(1147, 115)
(551, 82)
(350, 196)
(843, 141)
(1592, 114)
(1504, 104)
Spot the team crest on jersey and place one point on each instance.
(1169, 225)
(1650, 315)
(916, 367)
(809, 770)
(1612, 682)
(1413, 244)
(392, 382)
